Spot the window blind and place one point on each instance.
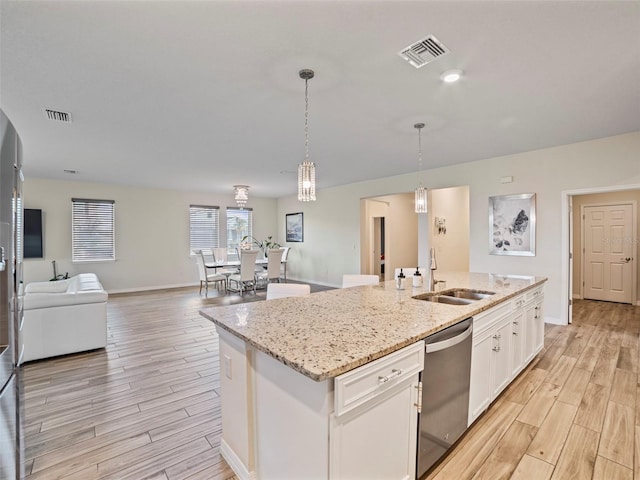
(239, 225)
(92, 230)
(204, 227)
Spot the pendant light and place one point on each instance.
(421, 192)
(306, 169)
(241, 195)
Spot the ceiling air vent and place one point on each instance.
(423, 51)
(57, 115)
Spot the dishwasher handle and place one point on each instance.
(450, 342)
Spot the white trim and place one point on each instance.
(155, 287)
(235, 463)
(554, 320)
(564, 240)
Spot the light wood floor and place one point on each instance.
(148, 407)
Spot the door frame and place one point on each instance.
(566, 284)
(634, 229)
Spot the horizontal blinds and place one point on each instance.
(204, 226)
(239, 225)
(92, 230)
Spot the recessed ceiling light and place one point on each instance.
(451, 76)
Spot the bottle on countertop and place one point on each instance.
(400, 281)
(417, 278)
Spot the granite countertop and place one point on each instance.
(328, 333)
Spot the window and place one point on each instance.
(92, 230)
(239, 225)
(203, 227)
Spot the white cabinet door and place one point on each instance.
(377, 441)
(373, 431)
(520, 336)
(539, 323)
(481, 382)
(501, 361)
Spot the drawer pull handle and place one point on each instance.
(396, 372)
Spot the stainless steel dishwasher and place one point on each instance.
(445, 393)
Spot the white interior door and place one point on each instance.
(608, 261)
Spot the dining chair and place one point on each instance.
(273, 266)
(283, 290)
(283, 262)
(354, 280)
(205, 277)
(247, 276)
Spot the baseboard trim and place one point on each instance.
(576, 296)
(155, 287)
(235, 463)
(554, 321)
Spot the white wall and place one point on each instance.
(452, 248)
(332, 227)
(152, 232)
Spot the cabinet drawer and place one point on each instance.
(534, 294)
(487, 318)
(363, 384)
(519, 302)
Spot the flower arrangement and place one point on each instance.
(264, 245)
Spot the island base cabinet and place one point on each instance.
(291, 422)
(377, 441)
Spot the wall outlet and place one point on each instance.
(227, 366)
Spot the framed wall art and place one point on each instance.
(512, 225)
(295, 227)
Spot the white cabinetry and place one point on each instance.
(373, 430)
(505, 340)
(362, 424)
(490, 357)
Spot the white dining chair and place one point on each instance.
(205, 277)
(283, 290)
(272, 272)
(354, 280)
(247, 276)
(285, 257)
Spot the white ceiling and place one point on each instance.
(205, 95)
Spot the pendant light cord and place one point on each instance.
(306, 119)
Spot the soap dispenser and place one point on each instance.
(417, 278)
(400, 281)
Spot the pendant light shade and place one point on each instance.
(241, 195)
(421, 192)
(306, 169)
(306, 181)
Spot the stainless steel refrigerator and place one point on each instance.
(10, 300)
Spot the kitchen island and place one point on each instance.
(287, 413)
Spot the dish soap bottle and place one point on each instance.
(417, 278)
(400, 281)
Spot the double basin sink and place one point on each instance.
(455, 296)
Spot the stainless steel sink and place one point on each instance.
(455, 296)
(444, 299)
(466, 293)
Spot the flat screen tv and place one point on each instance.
(32, 233)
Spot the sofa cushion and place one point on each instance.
(81, 289)
(48, 287)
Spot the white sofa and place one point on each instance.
(65, 316)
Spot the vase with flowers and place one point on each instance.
(264, 245)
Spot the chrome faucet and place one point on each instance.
(433, 266)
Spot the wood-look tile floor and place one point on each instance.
(148, 406)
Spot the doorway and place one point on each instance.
(571, 239)
(608, 237)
